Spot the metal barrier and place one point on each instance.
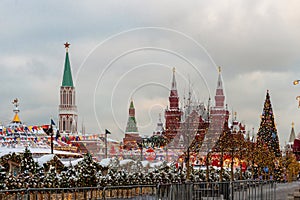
(136, 192)
(65, 193)
(245, 190)
(253, 190)
(175, 191)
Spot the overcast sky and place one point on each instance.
(122, 50)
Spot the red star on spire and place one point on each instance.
(67, 45)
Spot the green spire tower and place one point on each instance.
(67, 107)
(131, 123)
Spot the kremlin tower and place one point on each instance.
(131, 127)
(289, 146)
(292, 135)
(219, 114)
(131, 132)
(67, 107)
(160, 127)
(173, 113)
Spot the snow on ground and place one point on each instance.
(105, 162)
(145, 163)
(68, 162)
(44, 159)
(155, 165)
(21, 149)
(126, 161)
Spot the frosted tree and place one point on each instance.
(2, 178)
(28, 165)
(51, 179)
(87, 170)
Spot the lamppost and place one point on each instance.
(143, 143)
(106, 132)
(48, 129)
(296, 82)
(207, 164)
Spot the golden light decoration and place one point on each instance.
(296, 82)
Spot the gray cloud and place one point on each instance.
(256, 43)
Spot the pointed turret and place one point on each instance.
(173, 98)
(131, 123)
(67, 77)
(173, 113)
(16, 110)
(292, 135)
(16, 118)
(174, 85)
(160, 127)
(219, 98)
(218, 119)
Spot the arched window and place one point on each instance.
(71, 122)
(71, 102)
(74, 97)
(61, 97)
(64, 97)
(64, 124)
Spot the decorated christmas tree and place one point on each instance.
(267, 133)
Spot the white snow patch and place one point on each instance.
(44, 159)
(126, 161)
(105, 162)
(155, 165)
(67, 163)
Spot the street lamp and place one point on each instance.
(144, 142)
(296, 82)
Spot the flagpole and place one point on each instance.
(105, 144)
(51, 135)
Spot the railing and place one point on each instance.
(253, 190)
(137, 192)
(246, 190)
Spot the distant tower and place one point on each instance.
(67, 107)
(131, 133)
(131, 123)
(160, 127)
(289, 146)
(219, 113)
(173, 113)
(292, 135)
(218, 118)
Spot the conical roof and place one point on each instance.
(292, 135)
(16, 118)
(67, 77)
